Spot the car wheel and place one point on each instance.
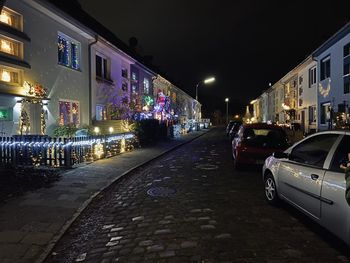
(270, 190)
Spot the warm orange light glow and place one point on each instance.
(4, 18)
(5, 76)
(6, 46)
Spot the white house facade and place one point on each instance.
(44, 70)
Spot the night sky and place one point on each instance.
(244, 44)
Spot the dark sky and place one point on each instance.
(244, 44)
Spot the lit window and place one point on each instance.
(9, 76)
(145, 86)
(68, 52)
(69, 112)
(133, 76)
(101, 113)
(134, 88)
(10, 47)
(325, 112)
(325, 68)
(312, 76)
(11, 18)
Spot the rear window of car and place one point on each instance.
(265, 138)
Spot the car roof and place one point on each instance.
(262, 126)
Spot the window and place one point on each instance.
(101, 113)
(68, 52)
(312, 114)
(313, 151)
(9, 76)
(69, 112)
(11, 18)
(124, 73)
(146, 86)
(325, 112)
(10, 46)
(265, 138)
(134, 76)
(347, 88)
(301, 80)
(325, 68)
(346, 69)
(102, 67)
(347, 50)
(124, 86)
(341, 155)
(133, 89)
(312, 76)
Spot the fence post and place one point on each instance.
(13, 152)
(67, 153)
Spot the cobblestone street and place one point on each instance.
(191, 206)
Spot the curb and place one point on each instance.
(65, 227)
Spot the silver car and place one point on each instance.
(308, 176)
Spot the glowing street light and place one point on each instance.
(227, 100)
(205, 81)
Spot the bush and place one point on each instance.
(150, 131)
(67, 130)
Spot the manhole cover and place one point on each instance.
(161, 192)
(207, 167)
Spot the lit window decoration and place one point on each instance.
(6, 47)
(146, 86)
(68, 52)
(122, 145)
(5, 18)
(324, 92)
(10, 18)
(5, 76)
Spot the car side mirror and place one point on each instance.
(280, 155)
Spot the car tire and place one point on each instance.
(270, 190)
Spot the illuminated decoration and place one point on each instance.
(285, 107)
(5, 76)
(324, 92)
(5, 18)
(6, 46)
(148, 100)
(98, 150)
(69, 113)
(97, 130)
(3, 114)
(68, 51)
(122, 145)
(24, 122)
(43, 122)
(111, 129)
(36, 90)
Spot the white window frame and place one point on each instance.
(78, 44)
(5, 9)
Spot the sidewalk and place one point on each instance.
(31, 224)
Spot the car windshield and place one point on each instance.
(266, 138)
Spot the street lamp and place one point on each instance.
(227, 100)
(206, 81)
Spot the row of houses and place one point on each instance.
(315, 95)
(65, 68)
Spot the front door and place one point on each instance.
(303, 121)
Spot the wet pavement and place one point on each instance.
(191, 206)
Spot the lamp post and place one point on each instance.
(205, 81)
(227, 100)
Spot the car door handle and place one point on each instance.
(314, 177)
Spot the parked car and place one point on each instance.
(229, 126)
(308, 176)
(235, 127)
(253, 143)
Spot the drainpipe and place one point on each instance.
(90, 77)
(317, 102)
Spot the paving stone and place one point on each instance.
(188, 244)
(155, 248)
(162, 231)
(146, 243)
(138, 218)
(167, 254)
(207, 227)
(117, 229)
(125, 251)
(11, 236)
(111, 244)
(203, 218)
(37, 238)
(138, 250)
(223, 236)
(164, 222)
(116, 238)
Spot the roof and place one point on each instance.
(345, 30)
